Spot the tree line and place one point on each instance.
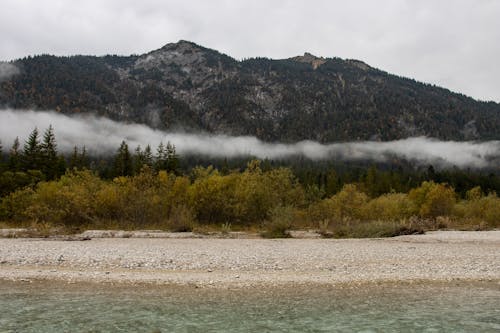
(145, 189)
(39, 160)
(271, 201)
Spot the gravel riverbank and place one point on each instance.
(436, 256)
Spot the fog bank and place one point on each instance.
(102, 135)
(7, 70)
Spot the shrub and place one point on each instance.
(433, 200)
(280, 222)
(15, 205)
(68, 201)
(348, 203)
(181, 219)
(212, 198)
(393, 206)
(480, 209)
(376, 229)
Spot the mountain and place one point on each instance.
(186, 86)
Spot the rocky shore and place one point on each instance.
(243, 262)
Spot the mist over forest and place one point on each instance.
(102, 136)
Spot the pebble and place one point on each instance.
(434, 256)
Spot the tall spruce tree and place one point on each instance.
(2, 165)
(84, 159)
(50, 162)
(123, 161)
(148, 156)
(138, 159)
(73, 159)
(31, 158)
(161, 157)
(172, 158)
(166, 158)
(79, 160)
(142, 158)
(14, 163)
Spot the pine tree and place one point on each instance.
(14, 163)
(48, 151)
(84, 159)
(123, 161)
(1, 157)
(148, 156)
(167, 158)
(161, 158)
(73, 160)
(31, 157)
(172, 164)
(79, 160)
(138, 159)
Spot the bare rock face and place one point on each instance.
(181, 61)
(183, 54)
(310, 59)
(359, 64)
(187, 86)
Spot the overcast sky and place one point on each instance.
(451, 43)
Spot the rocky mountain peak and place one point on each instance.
(182, 45)
(359, 64)
(184, 85)
(310, 59)
(182, 53)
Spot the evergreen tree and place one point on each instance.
(332, 184)
(73, 159)
(50, 162)
(14, 163)
(167, 158)
(172, 164)
(142, 158)
(31, 158)
(61, 166)
(123, 161)
(138, 159)
(78, 160)
(161, 158)
(84, 159)
(148, 156)
(1, 157)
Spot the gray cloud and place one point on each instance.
(7, 70)
(101, 135)
(452, 43)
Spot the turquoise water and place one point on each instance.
(50, 307)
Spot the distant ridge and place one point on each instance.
(184, 85)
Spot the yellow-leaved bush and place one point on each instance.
(81, 199)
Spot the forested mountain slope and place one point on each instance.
(186, 86)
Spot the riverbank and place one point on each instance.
(213, 262)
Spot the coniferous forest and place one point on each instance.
(185, 85)
(146, 187)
